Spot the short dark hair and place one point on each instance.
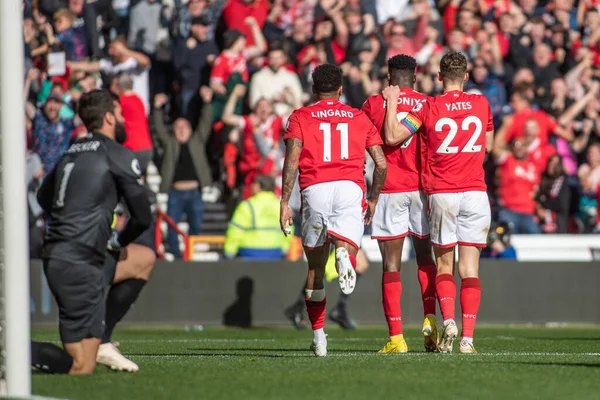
(266, 183)
(453, 66)
(277, 45)
(93, 106)
(327, 78)
(402, 68)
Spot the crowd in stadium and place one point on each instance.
(224, 75)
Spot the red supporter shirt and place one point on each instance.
(136, 123)
(334, 137)
(403, 166)
(226, 64)
(540, 153)
(236, 12)
(454, 130)
(518, 180)
(516, 129)
(251, 157)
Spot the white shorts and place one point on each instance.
(332, 209)
(398, 214)
(459, 218)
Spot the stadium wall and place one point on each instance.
(209, 293)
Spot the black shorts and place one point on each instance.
(110, 267)
(79, 293)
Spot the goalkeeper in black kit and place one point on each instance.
(79, 197)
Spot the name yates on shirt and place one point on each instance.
(460, 106)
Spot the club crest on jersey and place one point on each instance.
(135, 167)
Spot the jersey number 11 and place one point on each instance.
(342, 128)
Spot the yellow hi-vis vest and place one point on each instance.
(254, 230)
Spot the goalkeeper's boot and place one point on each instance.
(396, 344)
(430, 333)
(346, 273)
(449, 333)
(111, 357)
(466, 347)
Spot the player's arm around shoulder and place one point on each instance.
(396, 132)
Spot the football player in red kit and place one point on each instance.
(457, 130)
(402, 210)
(326, 142)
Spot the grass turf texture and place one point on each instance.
(275, 363)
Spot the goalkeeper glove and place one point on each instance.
(113, 243)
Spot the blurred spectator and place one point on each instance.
(144, 19)
(276, 84)
(192, 59)
(35, 173)
(184, 168)
(499, 245)
(136, 122)
(537, 151)
(261, 135)
(553, 198)
(50, 135)
(123, 60)
(237, 13)
(253, 231)
(518, 181)
(398, 40)
(231, 66)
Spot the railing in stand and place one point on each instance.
(160, 216)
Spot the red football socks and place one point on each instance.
(392, 291)
(316, 313)
(427, 280)
(446, 292)
(470, 296)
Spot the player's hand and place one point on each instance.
(113, 243)
(391, 93)
(286, 217)
(370, 211)
(206, 94)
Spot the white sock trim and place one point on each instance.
(314, 295)
(448, 321)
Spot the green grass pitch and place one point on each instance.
(275, 363)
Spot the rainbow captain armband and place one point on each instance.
(411, 123)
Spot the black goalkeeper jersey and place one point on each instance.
(80, 195)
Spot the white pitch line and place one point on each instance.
(263, 340)
(374, 354)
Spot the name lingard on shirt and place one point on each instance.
(83, 147)
(332, 113)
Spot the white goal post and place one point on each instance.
(14, 250)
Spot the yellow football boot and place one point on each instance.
(430, 333)
(396, 344)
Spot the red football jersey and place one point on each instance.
(334, 137)
(518, 181)
(454, 130)
(270, 130)
(403, 165)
